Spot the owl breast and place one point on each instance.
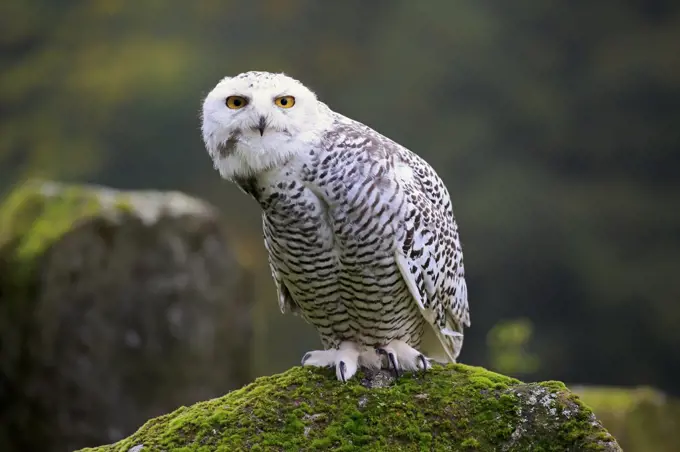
(334, 250)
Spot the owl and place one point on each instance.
(360, 232)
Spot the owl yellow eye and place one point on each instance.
(285, 101)
(236, 102)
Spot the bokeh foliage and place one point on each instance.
(555, 127)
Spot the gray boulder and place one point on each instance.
(114, 307)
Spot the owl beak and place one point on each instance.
(261, 125)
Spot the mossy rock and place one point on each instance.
(642, 419)
(115, 306)
(456, 407)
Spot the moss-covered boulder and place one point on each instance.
(642, 419)
(114, 307)
(448, 408)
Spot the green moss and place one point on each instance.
(470, 443)
(33, 217)
(457, 406)
(123, 203)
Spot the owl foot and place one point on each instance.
(401, 356)
(345, 358)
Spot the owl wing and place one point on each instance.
(430, 259)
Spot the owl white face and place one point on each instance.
(256, 121)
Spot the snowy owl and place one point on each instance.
(360, 231)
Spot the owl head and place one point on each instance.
(256, 121)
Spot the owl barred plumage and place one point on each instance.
(360, 231)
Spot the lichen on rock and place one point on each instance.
(456, 407)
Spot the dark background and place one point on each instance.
(554, 125)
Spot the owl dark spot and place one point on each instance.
(228, 147)
(249, 185)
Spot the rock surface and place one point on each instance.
(114, 307)
(642, 419)
(456, 407)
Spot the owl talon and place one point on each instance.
(345, 359)
(391, 361)
(401, 358)
(423, 361)
(343, 369)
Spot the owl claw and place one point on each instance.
(348, 356)
(343, 369)
(345, 359)
(391, 361)
(424, 362)
(402, 357)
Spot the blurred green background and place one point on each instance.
(554, 125)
